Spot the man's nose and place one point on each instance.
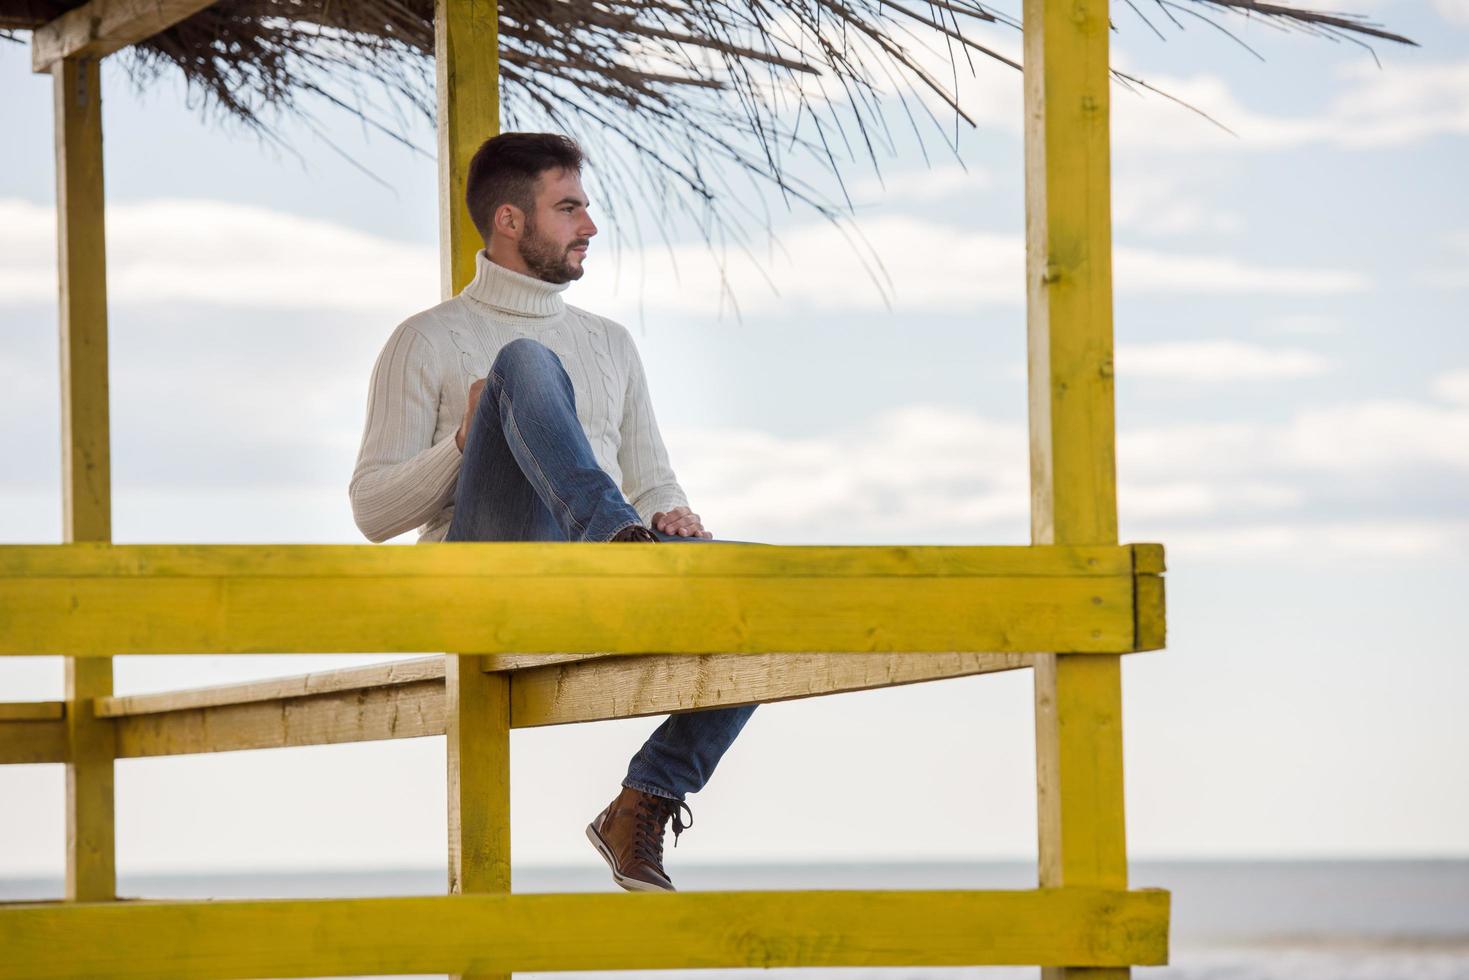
(588, 228)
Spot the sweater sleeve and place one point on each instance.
(402, 477)
(648, 480)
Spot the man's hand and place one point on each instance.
(681, 521)
(474, 392)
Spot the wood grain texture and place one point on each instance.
(467, 67)
(624, 687)
(103, 26)
(390, 674)
(86, 477)
(527, 932)
(409, 710)
(413, 705)
(1073, 436)
(477, 726)
(32, 710)
(563, 598)
(29, 741)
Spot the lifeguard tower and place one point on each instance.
(768, 622)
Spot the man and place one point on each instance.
(504, 414)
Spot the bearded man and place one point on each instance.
(505, 414)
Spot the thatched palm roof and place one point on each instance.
(665, 93)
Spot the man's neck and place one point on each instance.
(507, 256)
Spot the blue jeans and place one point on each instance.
(529, 474)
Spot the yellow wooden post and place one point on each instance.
(1078, 699)
(477, 704)
(86, 482)
(467, 59)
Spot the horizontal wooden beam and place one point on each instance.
(626, 687)
(101, 27)
(564, 598)
(528, 932)
(32, 740)
(393, 674)
(405, 699)
(32, 710)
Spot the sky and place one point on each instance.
(1292, 372)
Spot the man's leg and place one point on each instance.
(529, 473)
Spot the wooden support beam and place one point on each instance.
(477, 730)
(32, 731)
(537, 597)
(101, 27)
(504, 933)
(407, 699)
(1078, 700)
(467, 65)
(86, 481)
(25, 741)
(625, 687)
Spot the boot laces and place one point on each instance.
(652, 813)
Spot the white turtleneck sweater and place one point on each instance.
(408, 465)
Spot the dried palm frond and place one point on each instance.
(675, 100)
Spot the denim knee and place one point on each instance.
(520, 354)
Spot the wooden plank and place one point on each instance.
(32, 741)
(477, 726)
(409, 710)
(467, 66)
(553, 695)
(32, 710)
(1151, 629)
(625, 687)
(1073, 439)
(525, 661)
(528, 932)
(581, 599)
(101, 27)
(397, 672)
(494, 561)
(86, 454)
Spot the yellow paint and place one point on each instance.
(559, 598)
(466, 57)
(86, 461)
(611, 931)
(1078, 700)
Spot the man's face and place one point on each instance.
(558, 230)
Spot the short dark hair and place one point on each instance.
(504, 171)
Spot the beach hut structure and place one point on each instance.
(546, 634)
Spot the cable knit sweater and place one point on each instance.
(408, 465)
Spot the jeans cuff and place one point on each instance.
(652, 790)
(617, 529)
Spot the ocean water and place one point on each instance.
(1256, 920)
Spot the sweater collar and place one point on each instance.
(512, 292)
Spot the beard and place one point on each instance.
(547, 260)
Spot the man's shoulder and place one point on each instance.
(596, 321)
(431, 325)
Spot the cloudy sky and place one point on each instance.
(1293, 412)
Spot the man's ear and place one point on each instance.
(509, 220)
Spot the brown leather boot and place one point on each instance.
(635, 532)
(629, 835)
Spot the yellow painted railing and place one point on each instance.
(558, 632)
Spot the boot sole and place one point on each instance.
(628, 884)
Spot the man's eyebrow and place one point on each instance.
(571, 200)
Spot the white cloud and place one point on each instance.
(1453, 11)
(209, 252)
(942, 475)
(213, 252)
(1217, 360)
(1453, 387)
